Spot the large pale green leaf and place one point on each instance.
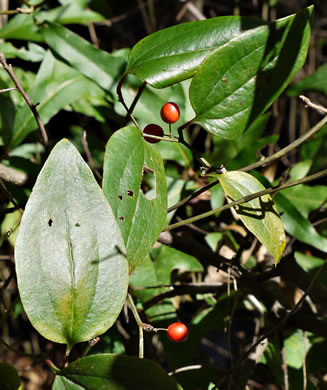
(71, 269)
(94, 63)
(114, 372)
(140, 215)
(56, 85)
(242, 78)
(174, 54)
(259, 215)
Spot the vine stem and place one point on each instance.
(247, 198)
(29, 102)
(288, 148)
(139, 323)
(121, 98)
(265, 161)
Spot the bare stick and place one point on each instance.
(12, 175)
(8, 89)
(89, 156)
(32, 106)
(263, 162)
(315, 106)
(139, 323)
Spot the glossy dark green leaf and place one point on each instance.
(114, 372)
(313, 82)
(71, 269)
(98, 65)
(242, 78)
(298, 226)
(140, 214)
(56, 85)
(259, 215)
(9, 378)
(174, 54)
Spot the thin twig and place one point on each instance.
(89, 156)
(12, 175)
(315, 106)
(8, 89)
(9, 196)
(247, 198)
(288, 148)
(121, 98)
(139, 323)
(259, 163)
(32, 106)
(136, 99)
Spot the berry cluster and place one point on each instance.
(170, 114)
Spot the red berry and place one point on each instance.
(170, 112)
(153, 129)
(177, 332)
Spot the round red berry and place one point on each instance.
(153, 129)
(177, 332)
(170, 112)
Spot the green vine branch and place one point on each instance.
(247, 198)
(265, 161)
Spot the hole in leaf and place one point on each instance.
(148, 183)
(121, 218)
(50, 222)
(130, 193)
(120, 197)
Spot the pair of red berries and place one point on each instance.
(170, 114)
(177, 332)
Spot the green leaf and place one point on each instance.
(114, 372)
(21, 27)
(242, 78)
(71, 14)
(259, 215)
(9, 378)
(156, 271)
(35, 53)
(71, 269)
(56, 85)
(129, 159)
(98, 65)
(296, 347)
(174, 54)
(298, 226)
(226, 151)
(314, 82)
(306, 198)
